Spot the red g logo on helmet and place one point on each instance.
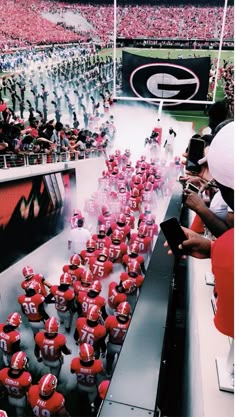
(121, 219)
(47, 385)
(86, 352)
(116, 236)
(123, 309)
(142, 230)
(87, 277)
(135, 192)
(27, 271)
(66, 279)
(134, 248)
(19, 361)
(91, 245)
(129, 286)
(93, 313)
(96, 286)
(104, 254)
(14, 319)
(52, 325)
(75, 260)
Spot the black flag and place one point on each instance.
(177, 79)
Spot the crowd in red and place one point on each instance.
(22, 22)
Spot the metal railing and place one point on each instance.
(26, 159)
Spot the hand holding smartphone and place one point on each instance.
(195, 152)
(173, 233)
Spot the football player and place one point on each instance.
(10, 337)
(116, 295)
(117, 248)
(146, 211)
(144, 241)
(64, 300)
(92, 297)
(137, 183)
(120, 225)
(126, 156)
(89, 252)
(33, 306)
(133, 254)
(44, 400)
(101, 267)
(106, 218)
(152, 227)
(84, 284)
(90, 330)
(147, 194)
(74, 268)
(134, 201)
(31, 277)
(87, 368)
(116, 328)
(50, 346)
(101, 239)
(130, 219)
(16, 382)
(123, 195)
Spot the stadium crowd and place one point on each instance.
(187, 22)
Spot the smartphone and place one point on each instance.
(195, 152)
(192, 187)
(173, 233)
(182, 180)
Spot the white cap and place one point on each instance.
(220, 156)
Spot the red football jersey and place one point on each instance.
(111, 164)
(85, 301)
(16, 387)
(134, 203)
(152, 230)
(78, 287)
(106, 220)
(138, 281)
(62, 297)
(86, 375)
(139, 186)
(42, 407)
(50, 347)
(100, 269)
(31, 305)
(86, 256)
(101, 243)
(8, 339)
(124, 230)
(127, 259)
(117, 331)
(144, 243)
(116, 252)
(123, 197)
(148, 197)
(114, 297)
(130, 220)
(75, 273)
(35, 278)
(88, 334)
